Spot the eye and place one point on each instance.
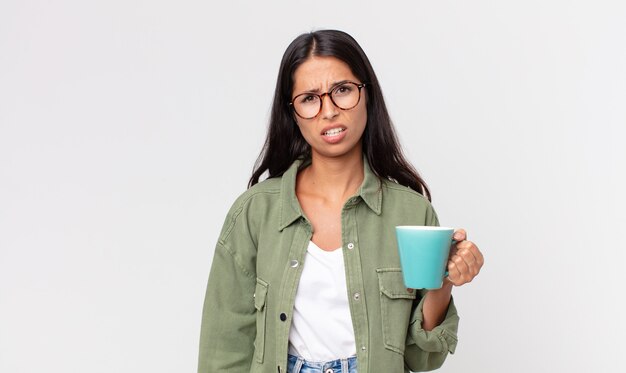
(343, 89)
(307, 99)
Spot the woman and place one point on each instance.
(305, 276)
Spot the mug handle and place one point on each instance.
(454, 242)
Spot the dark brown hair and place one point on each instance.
(284, 143)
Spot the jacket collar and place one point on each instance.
(370, 192)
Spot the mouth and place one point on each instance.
(334, 134)
(334, 131)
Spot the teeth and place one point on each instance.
(334, 131)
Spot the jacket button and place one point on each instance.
(350, 246)
(294, 263)
(283, 317)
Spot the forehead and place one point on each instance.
(320, 73)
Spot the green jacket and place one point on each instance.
(258, 261)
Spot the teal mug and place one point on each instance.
(424, 254)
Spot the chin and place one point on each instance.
(338, 152)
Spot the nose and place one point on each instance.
(329, 110)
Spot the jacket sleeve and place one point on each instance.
(427, 350)
(229, 315)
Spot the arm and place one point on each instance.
(464, 264)
(228, 318)
(436, 306)
(434, 322)
(436, 301)
(427, 349)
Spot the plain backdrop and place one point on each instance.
(127, 129)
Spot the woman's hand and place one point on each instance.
(465, 260)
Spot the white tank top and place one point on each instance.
(321, 328)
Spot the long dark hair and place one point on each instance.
(284, 143)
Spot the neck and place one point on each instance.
(336, 178)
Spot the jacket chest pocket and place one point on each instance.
(260, 297)
(396, 302)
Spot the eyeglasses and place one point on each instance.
(345, 96)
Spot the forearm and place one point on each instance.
(433, 330)
(436, 306)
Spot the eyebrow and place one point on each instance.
(317, 90)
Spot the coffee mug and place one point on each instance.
(424, 254)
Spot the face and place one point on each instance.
(333, 132)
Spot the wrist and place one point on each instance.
(443, 293)
(435, 307)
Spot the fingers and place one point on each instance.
(455, 274)
(462, 265)
(465, 259)
(465, 263)
(460, 235)
(480, 259)
(471, 253)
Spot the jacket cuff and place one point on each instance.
(443, 338)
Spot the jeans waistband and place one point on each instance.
(297, 364)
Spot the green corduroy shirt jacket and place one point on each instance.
(257, 264)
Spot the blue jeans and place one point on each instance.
(299, 365)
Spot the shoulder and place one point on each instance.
(402, 200)
(251, 205)
(265, 188)
(395, 191)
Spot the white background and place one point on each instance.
(127, 129)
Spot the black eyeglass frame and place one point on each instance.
(321, 97)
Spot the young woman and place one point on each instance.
(306, 275)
